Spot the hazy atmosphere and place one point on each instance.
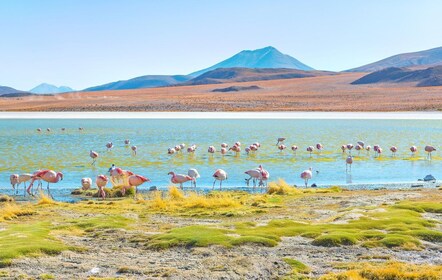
(86, 43)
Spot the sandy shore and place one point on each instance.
(125, 252)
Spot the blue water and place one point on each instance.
(24, 150)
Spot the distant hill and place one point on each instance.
(268, 57)
(236, 88)
(9, 90)
(226, 75)
(45, 88)
(431, 76)
(427, 58)
(148, 81)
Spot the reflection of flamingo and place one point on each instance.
(429, 150)
(306, 175)
(134, 181)
(194, 174)
(86, 183)
(48, 176)
(101, 182)
(219, 175)
(179, 178)
(348, 162)
(94, 156)
(413, 150)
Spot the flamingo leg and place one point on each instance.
(306, 182)
(181, 185)
(213, 184)
(220, 184)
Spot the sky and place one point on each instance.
(83, 43)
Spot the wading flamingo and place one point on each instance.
(235, 148)
(211, 150)
(306, 175)
(429, 150)
(17, 179)
(94, 155)
(49, 176)
(319, 146)
(223, 151)
(191, 149)
(343, 148)
(86, 183)
(257, 144)
(38, 129)
(294, 148)
(349, 148)
(265, 175)
(253, 148)
(247, 150)
(134, 181)
(127, 142)
(101, 183)
(109, 146)
(177, 148)
(238, 144)
(348, 162)
(194, 174)
(280, 140)
(358, 148)
(48, 129)
(368, 148)
(393, 150)
(171, 151)
(134, 150)
(310, 150)
(219, 175)
(361, 143)
(179, 178)
(224, 145)
(182, 146)
(413, 150)
(254, 174)
(282, 147)
(379, 151)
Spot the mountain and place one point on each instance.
(50, 89)
(427, 58)
(226, 75)
(8, 91)
(268, 57)
(431, 76)
(148, 81)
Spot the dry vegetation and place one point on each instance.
(326, 93)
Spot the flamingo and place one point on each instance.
(49, 176)
(254, 174)
(280, 140)
(375, 148)
(282, 147)
(379, 151)
(86, 183)
(17, 179)
(253, 147)
(413, 150)
(134, 181)
(38, 129)
(368, 148)
(358, 148)
(194, 174)
(171, 151)
(48, 129)
(348, 162)
(63, 129)
(257, 144)
(177, 148)
(306, 175)
(219, 175)
(238, 144)
(247, 149)
(429, 150)
(235, 148)
(361, 143)
(319, 146)
(294, 148)
(265, 175)
(127, 142)
(101, 182)
(393, 149)
(109, 146)
(211, 150)
(191, 149)
(182, 146)
(343, 148)
(224, 145)
(179, 178)
(134, 150)
(310, 150)
(94, 155)
(80, 128)
(223, 151)
(349, 147)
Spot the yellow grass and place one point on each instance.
(281, 187)
(45, 200)
(9, 211)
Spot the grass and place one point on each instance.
(390, 226)
(389, 270)
(10, 211)
(297, 266)
(25, 239)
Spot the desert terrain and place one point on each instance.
(323, 93)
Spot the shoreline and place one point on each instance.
(410, 115)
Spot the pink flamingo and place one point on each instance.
(223, 151)
(192, 172)
(294, 148)
(211, 150)
(310, 150)
(247, 150)
(361, 143)
(307, 175)
(368, 148)
(238, 144)
(224, 145)
(17, 179)
(254, 174)
(134, 181)
(94, 156)
(191, 149)
(253, 147)
(109, 146)
(179, 178)
(348, 162)
(219, 175)
(49, 176)
(171, 151)
(429, 150)
(177, 148)
(182, 146)
(257, 144)
(280, 140)
(265, 175)
(38, 129)
(319, 146)
(379, 151)
(134, 150)
(358, 148)
(413, 150)
(101, 183)
(282, 147)
(86, 183)
(393, 150)
(343, 148)
(349, 148)
(235, 148)
(48, 129)
(127, 142)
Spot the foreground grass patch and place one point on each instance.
(9, 211)
(388, 271)
(27, 239)
(297, 266)
(389, 226)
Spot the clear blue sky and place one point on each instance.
(81, 43)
